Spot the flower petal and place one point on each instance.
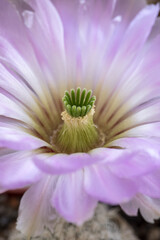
(142, 157)
(71, 200)
(19, 140)
(103, 185)
(128, 9)
(127, 75)
(149, 208)
(155, 30)
(14, 45)
(131, 45)
(48, 20)
(65, 163)
(142, 23)
(139, 143)
(150, 184)
(12, 28)
(9, 108)
(133, 164)
(48, 28)
(17, 170)
(35, 210)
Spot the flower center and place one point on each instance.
(78, 104)
(78, 132)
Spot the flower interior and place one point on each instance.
(78, 133)
(78, 104)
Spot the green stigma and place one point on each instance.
(78, 103)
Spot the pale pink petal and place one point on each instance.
(149, 184)
(9, 108)
(24, 59)
(35, 211)
(103, 185)
(128, 9)
(131, 207)
(65, 163)
(48, 21)
(141, 25)
(5, 151)
(146, 17)
(139, 144)
(126, 76)
(140, 156)
(17, 87)
(70, 199)
(48, 28)
(149, 208)
(155, 30)
(12, 28)
(133, 164)
(19, 140)
(145, 131)
(13, 33)
(20, 65)
(17, 170)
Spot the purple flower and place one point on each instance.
(70, 150)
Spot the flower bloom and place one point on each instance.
(73, 149)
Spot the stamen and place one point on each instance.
(78, 103)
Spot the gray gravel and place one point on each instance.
(105, 225)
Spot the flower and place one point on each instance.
(69, 147)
